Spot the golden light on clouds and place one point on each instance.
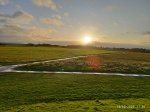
(45, 3)
(62, 21)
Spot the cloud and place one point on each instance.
(110, 8)
(51, 21)
(147, 34)
(146, 43)
(18, 17)
(4, 2)
(30, 33)
(66, 14)
(39, 32)
(45, 3)
(11, 30)
(57, 16)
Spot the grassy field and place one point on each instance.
(59, 91)
(122, 105)
(74, 93)
(23, 54)
(127, 62)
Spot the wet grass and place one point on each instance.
(18, 89)
(23, 54)
(127, 62)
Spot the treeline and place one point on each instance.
(67, 46)
(142, 50)
(30, 44)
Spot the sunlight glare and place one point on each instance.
(87, 39)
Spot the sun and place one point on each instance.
(87, 40)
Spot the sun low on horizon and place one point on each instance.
(87, 39)
(110, 23)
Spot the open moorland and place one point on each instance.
(74, 92)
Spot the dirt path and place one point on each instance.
(11, 68)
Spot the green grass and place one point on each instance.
(127, 62)
(138, 105)
(73, 93)
(24, 90)
(23, 54)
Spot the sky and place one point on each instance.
(113, 23)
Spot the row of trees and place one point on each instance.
(84, 46)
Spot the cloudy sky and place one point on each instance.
(114, 22)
